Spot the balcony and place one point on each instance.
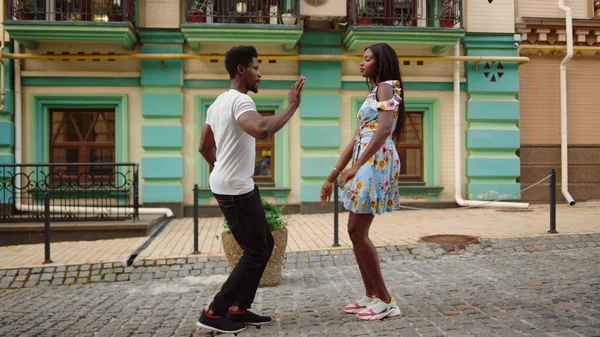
(435, 23)
(32, 21)
(241, 21)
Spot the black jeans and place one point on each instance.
(246, 218)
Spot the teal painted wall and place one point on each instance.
(168, 73)
(492, 136)
(162, 105)
(162, 136)
(320, 136)
(320, 130)
(162, 166)
(320, 106)
(7, 127)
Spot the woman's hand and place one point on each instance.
(326, 191)
(347, 175)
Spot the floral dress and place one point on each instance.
(374, 189)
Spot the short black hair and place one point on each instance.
(240, 55)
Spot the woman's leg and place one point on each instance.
(352, 224)
(366, 254)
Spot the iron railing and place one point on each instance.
(407, 13)
(77, 192)
(272, 12)
(73, 10)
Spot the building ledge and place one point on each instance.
(30, 33)
(225, 33)
(431, 192)
(528, 21)
(440, 39)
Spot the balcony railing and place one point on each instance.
(77, 192)
(73, 10)
(409, 13)
(240, 11)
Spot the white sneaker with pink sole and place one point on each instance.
(378, 309)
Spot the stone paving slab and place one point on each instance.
(543, 293)
(144, 269)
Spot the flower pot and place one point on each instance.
(241, 7)
(365, 21)
(272, 274)
(26, 16)
(446, 23)
(115, 17)
(196, 16)
(288, 19)
(273, 10)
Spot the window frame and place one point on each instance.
(408, 123)
(81, 145)
(39, 124)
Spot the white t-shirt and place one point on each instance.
(236, 154)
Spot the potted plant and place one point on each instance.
(277, 224)
(115, 13)
(197, 12)
(24, 10)
(289, 17)
(447, 17)
(365, 16)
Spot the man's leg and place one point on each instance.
(263, 242)
(215, 318)
(248, 225)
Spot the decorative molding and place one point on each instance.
(557, 36)
(197, 34)
(29, 33)
(440, 39)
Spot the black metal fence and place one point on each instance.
(73, 10)
(410, 13)
(241, 11)
(76, 192)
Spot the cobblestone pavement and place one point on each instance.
(143, 269)
(541, 293)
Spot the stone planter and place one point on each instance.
(272, 274)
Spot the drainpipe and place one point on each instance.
(19, 159)
(457, 150)
(564, 161)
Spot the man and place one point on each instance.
(228, 145)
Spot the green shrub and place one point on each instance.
(274, 215)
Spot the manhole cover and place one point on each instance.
(458, 242)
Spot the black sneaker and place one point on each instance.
(249, 317)
(219, 324)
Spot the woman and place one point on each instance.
(370, 185)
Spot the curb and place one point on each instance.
(17, 278)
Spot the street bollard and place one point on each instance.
(336, 242)
(196, 251)
(47, 228)
(552, 202)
